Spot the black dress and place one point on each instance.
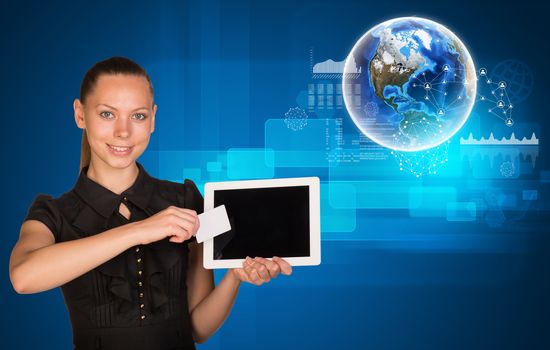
(138, 299)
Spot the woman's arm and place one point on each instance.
(38, 264)
(209, 306)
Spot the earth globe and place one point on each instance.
(409, 84)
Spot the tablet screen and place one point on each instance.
(265, 222)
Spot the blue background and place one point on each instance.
(394, 278)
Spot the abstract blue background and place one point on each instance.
(406, 262)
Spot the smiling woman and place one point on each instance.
(121, 108)
(121, 243)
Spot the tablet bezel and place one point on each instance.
(314, 218)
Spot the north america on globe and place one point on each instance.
(409, 84)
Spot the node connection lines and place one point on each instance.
(495, 93)
(422, 163)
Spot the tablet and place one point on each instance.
(272, 217)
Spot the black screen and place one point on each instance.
(265, 222)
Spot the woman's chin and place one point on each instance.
(122, 165)
(119, 162)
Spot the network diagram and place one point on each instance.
(445, 90)
(435, 90)
(502, 106)
(510, 82)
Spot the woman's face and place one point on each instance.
(119, 117)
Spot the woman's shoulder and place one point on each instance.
(52, 211)
(186, 193)
(63, 204)
(66, 200)
(171, 186)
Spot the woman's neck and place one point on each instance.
(115, 180)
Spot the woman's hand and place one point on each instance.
(179, 224)
(260, 270)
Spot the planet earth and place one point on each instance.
(409, 84)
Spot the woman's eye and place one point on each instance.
(139, 116)
(106, 115)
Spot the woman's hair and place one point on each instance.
(111, 66)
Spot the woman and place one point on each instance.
(121, 243)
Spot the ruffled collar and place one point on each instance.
(158, 257)
(105, 202)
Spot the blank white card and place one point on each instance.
(213, 223)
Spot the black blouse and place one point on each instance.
(138, 299)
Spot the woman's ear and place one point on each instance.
(79, 114)
(153, 118)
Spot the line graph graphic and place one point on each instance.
(512, 140)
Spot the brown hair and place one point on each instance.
(111, 66)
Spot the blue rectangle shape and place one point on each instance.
(430, 201)
(308, 146)
(213, 167)
(508, 200)
(335, 219)
(383, 194)
(545, 176)
(249, 163)
(530, 195)
(342, 195)
(301, 159)
(176, 164)
(461, 211)
(382, 166)
(312, 137)
(371, 194)
(192, 174)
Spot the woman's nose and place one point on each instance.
(122, 128)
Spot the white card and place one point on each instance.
(213, 223)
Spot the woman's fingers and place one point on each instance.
(183, 223)
(252, 274)
(184, 214)
(191, 217)
(262, 270)
(273, 268)
(242, 274)
(180, 228)
(286, 269)
(179, 224)
(176, 239)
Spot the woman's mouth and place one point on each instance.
(120, 150)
